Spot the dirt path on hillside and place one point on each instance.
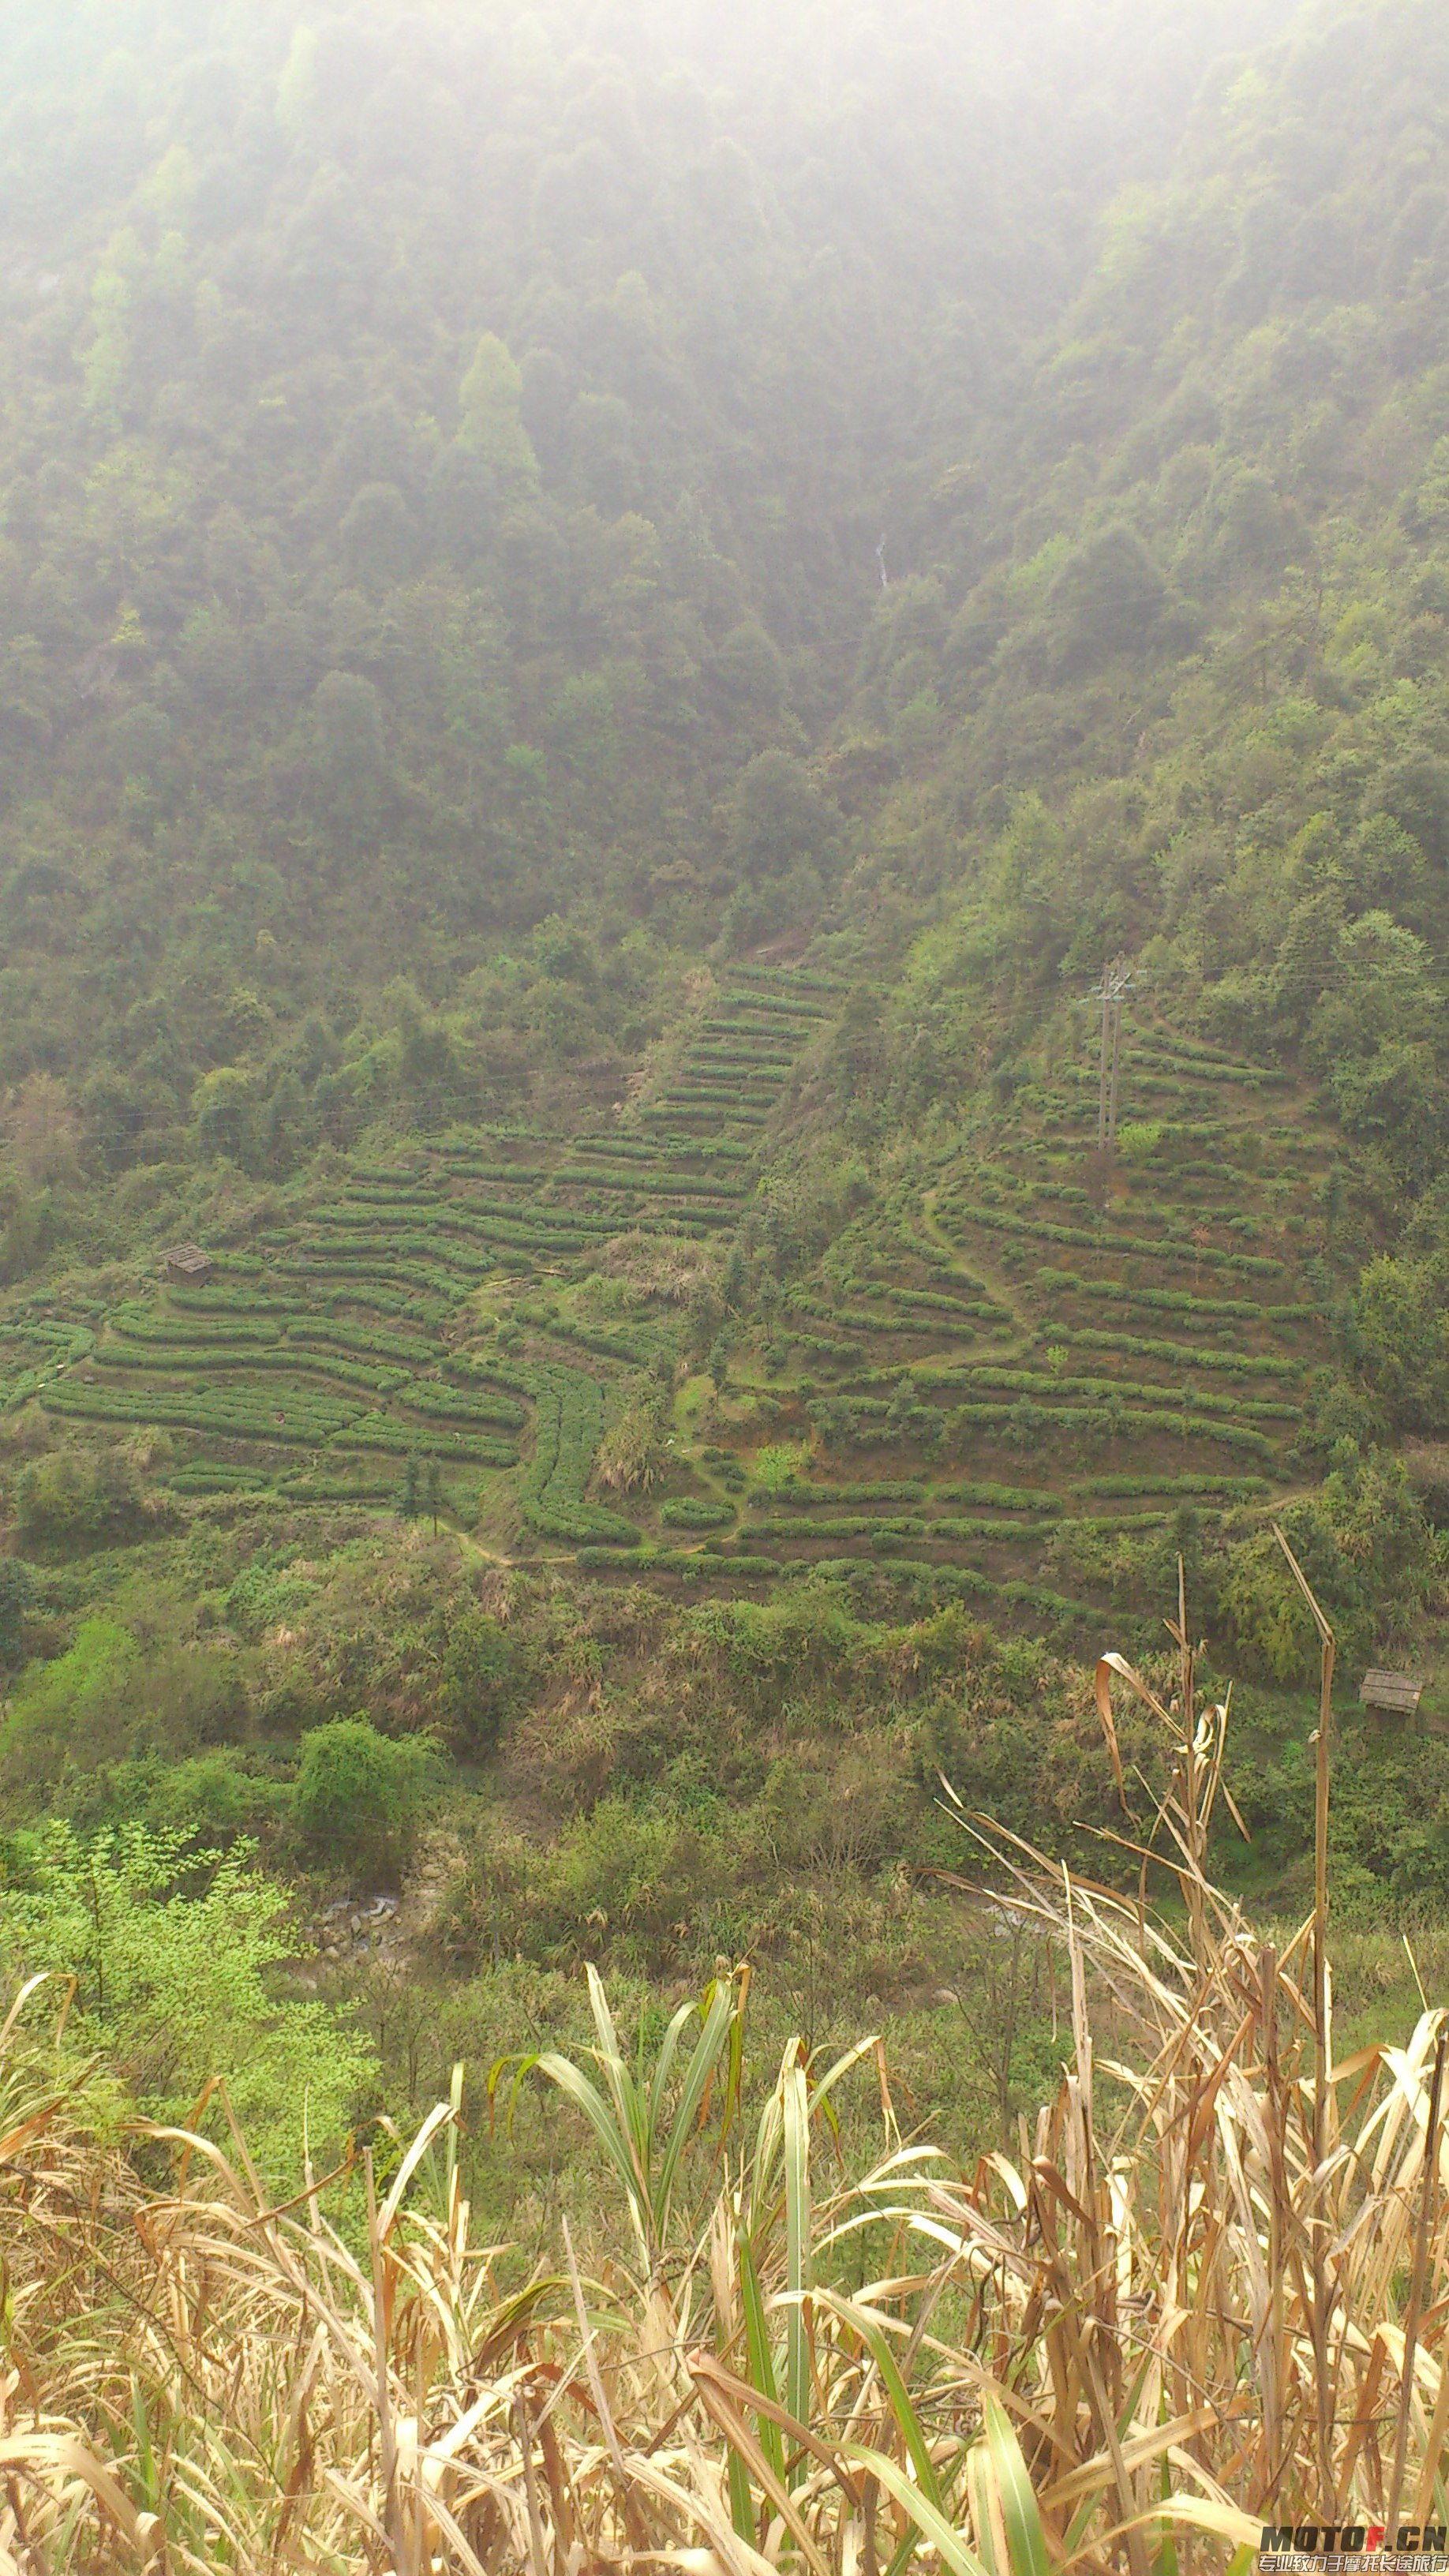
(977, 1272)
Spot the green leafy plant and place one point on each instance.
(361, 1796)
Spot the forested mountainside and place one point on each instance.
(610, 613)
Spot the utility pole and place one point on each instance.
(1115, 985)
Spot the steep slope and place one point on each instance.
(576, 920)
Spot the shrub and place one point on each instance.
(777, 1467)
(639, 1880)
(688, 1514)
(17, 1592)
(361, 1797)
(66, 1712)
(212, 1799)
(479, 1680)
(76, 1497)
(173, 1961)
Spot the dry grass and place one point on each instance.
(1211, 2285)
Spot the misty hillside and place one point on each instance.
(612, 614)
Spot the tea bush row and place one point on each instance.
(659, 1186)
(365, 1194)
(1108, 1525)
(821, 1346)
(801, 1303)
(363, 1342)
(985, 1309)
(921, 1248)
(202, 1302)
(700, 1095)
(632, 1348)
(803, 979)
(482, 1167)
(216, 1480)
(476, 1368)
(743, 1056)
(906, 1489)
(624, 1149)
(686, 1102)
(1166, 1248)
(201, 1362)
(849, 1525)
(147, 1324)
(70, 1342)
(1018, 1594)
(1196, 1050)
(568, 1426)
(958, 1526)
(1173, 1301)
(403, 1256)
(381, 1431)
(415, 1305)
(1025, 1420)
(477, 1216)
(782, 1006)
(366, 1282)
(1042, 1382)
(230, 1413)
(696, 1516)
(340, 1489)
(1180, 1354)
(468, 1261)
(1237, 1489)
(694, 1567)
(452, 1404)
(740, 1051)
(1203, 1068)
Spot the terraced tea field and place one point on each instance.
(1019, 1372)
(1004, 1379)
(416, 1328)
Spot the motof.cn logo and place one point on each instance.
(1353, 2549)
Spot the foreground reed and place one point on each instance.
(1207, 2292)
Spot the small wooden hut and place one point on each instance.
(1391, 1694)
(188, 1266)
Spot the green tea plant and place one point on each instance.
(449, 1404)
(569, 1424)
(235, 1413)
(381, 1431)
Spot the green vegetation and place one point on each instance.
(568, 1428)
(610, 615)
